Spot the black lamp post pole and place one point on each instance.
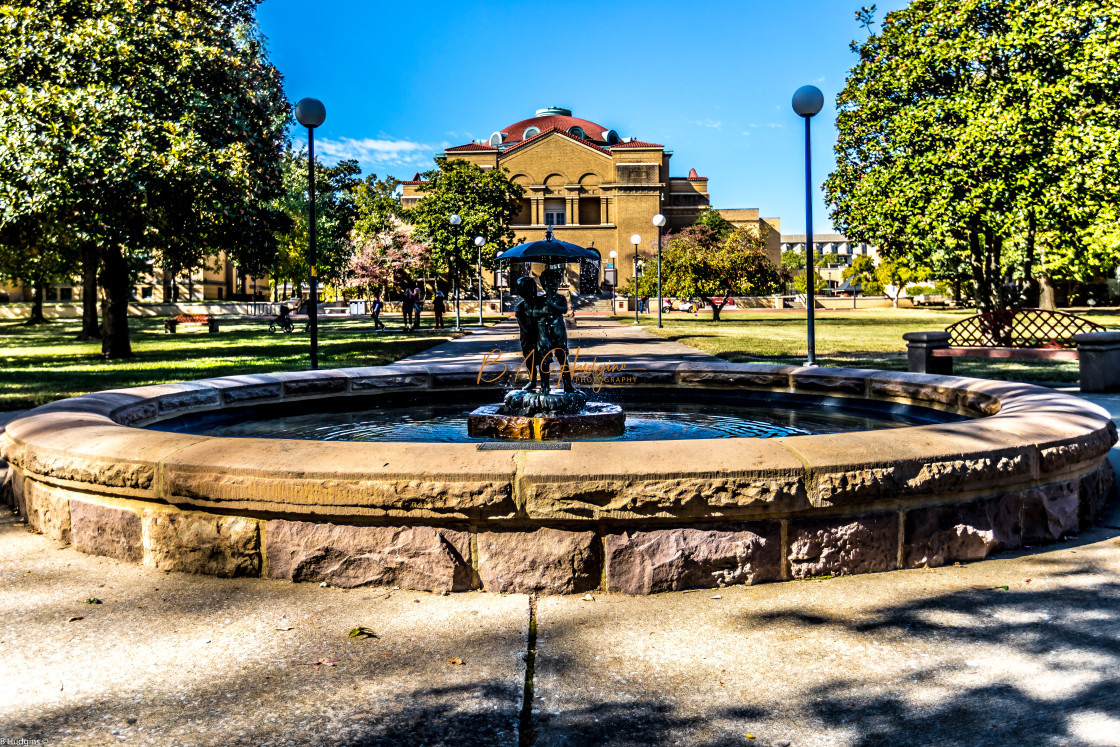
(810, 282)
(313, 312)
(636, 284)
(660, 302)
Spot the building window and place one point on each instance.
(578, 132)
(555, 213)
(65, 294)
(530, 132)
(146, 291)
(554, 218)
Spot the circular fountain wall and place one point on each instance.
(1018, 464)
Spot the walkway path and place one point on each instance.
(1019, 649)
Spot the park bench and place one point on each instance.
(171, 325)
(1022, 333)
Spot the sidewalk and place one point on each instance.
(1020, 649)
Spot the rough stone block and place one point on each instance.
(299, 388)
(250, 393)
(652, 561)
(968, 531)
(104, 530)
(843, 545)
(374, 383)
(189, 399)
(1050, 512)
(195, 542)
(426, 558)
(828, 380)
(545, 560)
(47, 510)
(1095, 490)
(1077, 450)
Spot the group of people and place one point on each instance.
(412, 304)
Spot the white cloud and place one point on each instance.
(374, 152)
(820, 79)
(715, 124)
(746, 132)
(773, 125)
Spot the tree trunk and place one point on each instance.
(37, 305)
(1031, 292)
(1047, 297)
(90, 329)
(114, 311)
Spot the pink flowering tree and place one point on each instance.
(386, 259)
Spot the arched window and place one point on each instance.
(530, 132)
(578, 132)
(496, 139)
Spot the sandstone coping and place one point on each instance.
(86, 471)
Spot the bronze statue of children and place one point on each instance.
(552, 336)
(526, 287)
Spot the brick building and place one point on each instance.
(594, 188)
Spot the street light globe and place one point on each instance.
(455, 219)
(479, 241)
(808, 101)
(635, 239)
(659, 220)
(614, 254)
(311, 113)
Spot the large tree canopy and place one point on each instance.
(485, 200)
(985, 131)
(699, 262)
(141, 127)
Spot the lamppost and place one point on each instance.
(807, 102)
(635, 240)
(614, 283)
(659, 221)
(479, 242)
(311, 113)
(455, 222)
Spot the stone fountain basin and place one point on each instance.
(1029, 467)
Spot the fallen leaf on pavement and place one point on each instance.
(76, 618)
(587, 598)
(361, 632)
(457, 662)
(717, 596)
(93, 600)
(287, 628)
(1001, 588)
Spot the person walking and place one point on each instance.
(406, 310)
(375, 312)
(439, 306)
(417, 306)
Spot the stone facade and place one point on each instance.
(1028, 466)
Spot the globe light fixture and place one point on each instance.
(659, 220)
(311, 113)
(455, 222)
(807, 103)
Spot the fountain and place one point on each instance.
(537, 411)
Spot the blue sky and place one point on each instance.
(710, 80)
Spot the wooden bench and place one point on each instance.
(1021, 333)
(171, 325)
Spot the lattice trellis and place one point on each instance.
(1019, 328)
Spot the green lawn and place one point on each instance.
(42, 363)
(869, 338)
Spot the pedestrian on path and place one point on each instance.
(439, 306)
(406, 310)
(375, 311)
(417, 306)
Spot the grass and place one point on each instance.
(870, 338)
(42, 363)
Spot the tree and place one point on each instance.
(387, 259)
(714, 220)
(336, 211)
(485, 200)
(793, 259)
(699, 262)
(27, 258)
(982, 126)
(144, 128)
(862, 271)
(801, 283)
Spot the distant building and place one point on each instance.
(594, 188)
(832, 243)
(218, 282)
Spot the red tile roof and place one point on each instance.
(557, 122)
(568, 135)
(694, 177)
(416, 180)
(470, 146)
(637, 144)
